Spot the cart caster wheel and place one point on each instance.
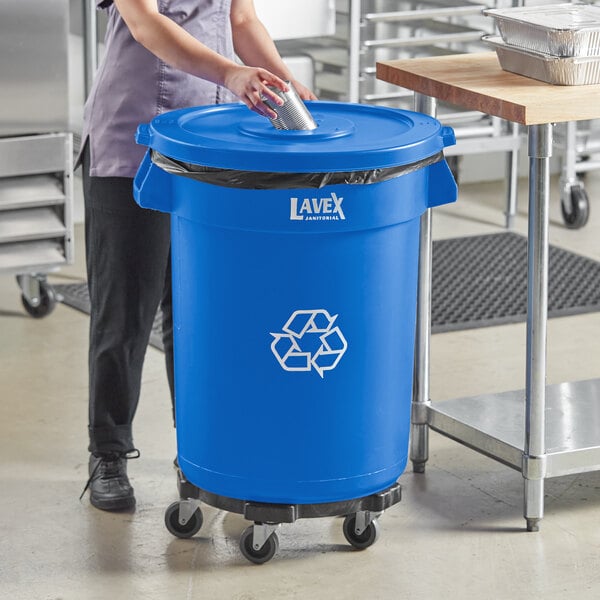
(46, 304)
(185, 530)
(576, 208)
(263, 554)
(363, 540)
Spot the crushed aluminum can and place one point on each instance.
(293, 114)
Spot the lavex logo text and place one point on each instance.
(317, 209)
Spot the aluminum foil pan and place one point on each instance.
(558, 29)
(573, 70)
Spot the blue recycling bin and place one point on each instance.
(295, 259)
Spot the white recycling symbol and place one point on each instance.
(309, 341)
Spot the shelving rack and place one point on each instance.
(368, 31)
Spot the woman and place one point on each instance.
(160, 55)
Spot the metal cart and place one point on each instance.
(573, 139)
(36, 222)
(524, 430)
(36, 148)
(580, 146)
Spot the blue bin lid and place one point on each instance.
(348, 137)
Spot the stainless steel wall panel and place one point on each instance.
(33, 66)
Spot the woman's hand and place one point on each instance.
(303, 91)
(250, 85)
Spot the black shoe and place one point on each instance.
(109, 485)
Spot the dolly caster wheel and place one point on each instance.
(183, 519)
(360, 537)
(261, 554)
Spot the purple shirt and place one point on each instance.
(132, 86)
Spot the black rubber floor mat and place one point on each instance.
(481, 281)
(478, 281)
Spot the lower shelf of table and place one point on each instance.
(494, 424)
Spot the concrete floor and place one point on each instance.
(458, 533)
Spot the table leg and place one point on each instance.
(419, 445)
(534, 457)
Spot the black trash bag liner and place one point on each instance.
(258, 180)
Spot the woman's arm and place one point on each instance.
(254, 45)
(176, 47)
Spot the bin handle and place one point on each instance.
(143, 135)
(442, 187)
(448, 136)
(152, 186)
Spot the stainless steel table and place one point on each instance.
(543, 431)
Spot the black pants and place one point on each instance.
(129, 275)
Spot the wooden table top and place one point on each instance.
(477, 82)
